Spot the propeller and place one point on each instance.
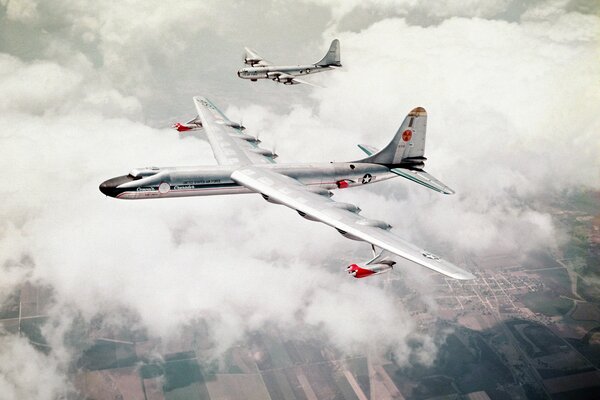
(275, 142)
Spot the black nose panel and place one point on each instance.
(110, 188)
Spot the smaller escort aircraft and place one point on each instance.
(288, 74)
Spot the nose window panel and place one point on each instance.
(139, 173)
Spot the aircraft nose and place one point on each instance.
(107, 188)
(240, 74)
(110, 187)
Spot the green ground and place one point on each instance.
(462, 366)
(589, 289)
(579, 251)
(10, 307)
(547, 303)
(586, 201)
(360, 370)
(106, 354)
(535, 339)
(557, 280)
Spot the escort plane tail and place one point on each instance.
(259, 68)
(244, 167)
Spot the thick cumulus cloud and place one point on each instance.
(512, 118)
(86, 87)
(437, 9)
(26, 373)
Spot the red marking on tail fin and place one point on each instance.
(407, 135)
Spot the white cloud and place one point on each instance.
(21, 10)
(26, 373)
(46, 87)
(512, 118)
(507, 123)
(428, 12)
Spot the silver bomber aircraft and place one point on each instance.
(288, 75)
(244, 167)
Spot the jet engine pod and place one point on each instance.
(362, 270)
(189, 126)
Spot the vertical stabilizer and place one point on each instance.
(405, 154)
(332, 58)
(408, 145)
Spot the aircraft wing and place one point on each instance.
(252, 58)
(230, 146)
(292, 193)
(298, 80)
(288, 78)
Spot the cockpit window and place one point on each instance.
(139, 173)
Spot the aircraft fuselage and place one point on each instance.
(149, 183)
(271, 71)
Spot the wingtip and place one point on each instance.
(466, 277)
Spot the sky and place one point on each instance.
(89, 89)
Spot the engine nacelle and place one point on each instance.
(346, 206)
(320, 191)
(307, 216)
(247, 138)
(264, 152)
(364, 270)
(349, 235)
(269, 199)
(375, 223)
(251, 61)
(235, 125)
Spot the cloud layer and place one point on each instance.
(87, 89)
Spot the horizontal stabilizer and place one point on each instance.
(423, 178)
(370, 150)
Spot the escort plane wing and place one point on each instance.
(259, 68)
(244, 167)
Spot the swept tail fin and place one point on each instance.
(332, 58)
(407, 148)
(405, 154)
